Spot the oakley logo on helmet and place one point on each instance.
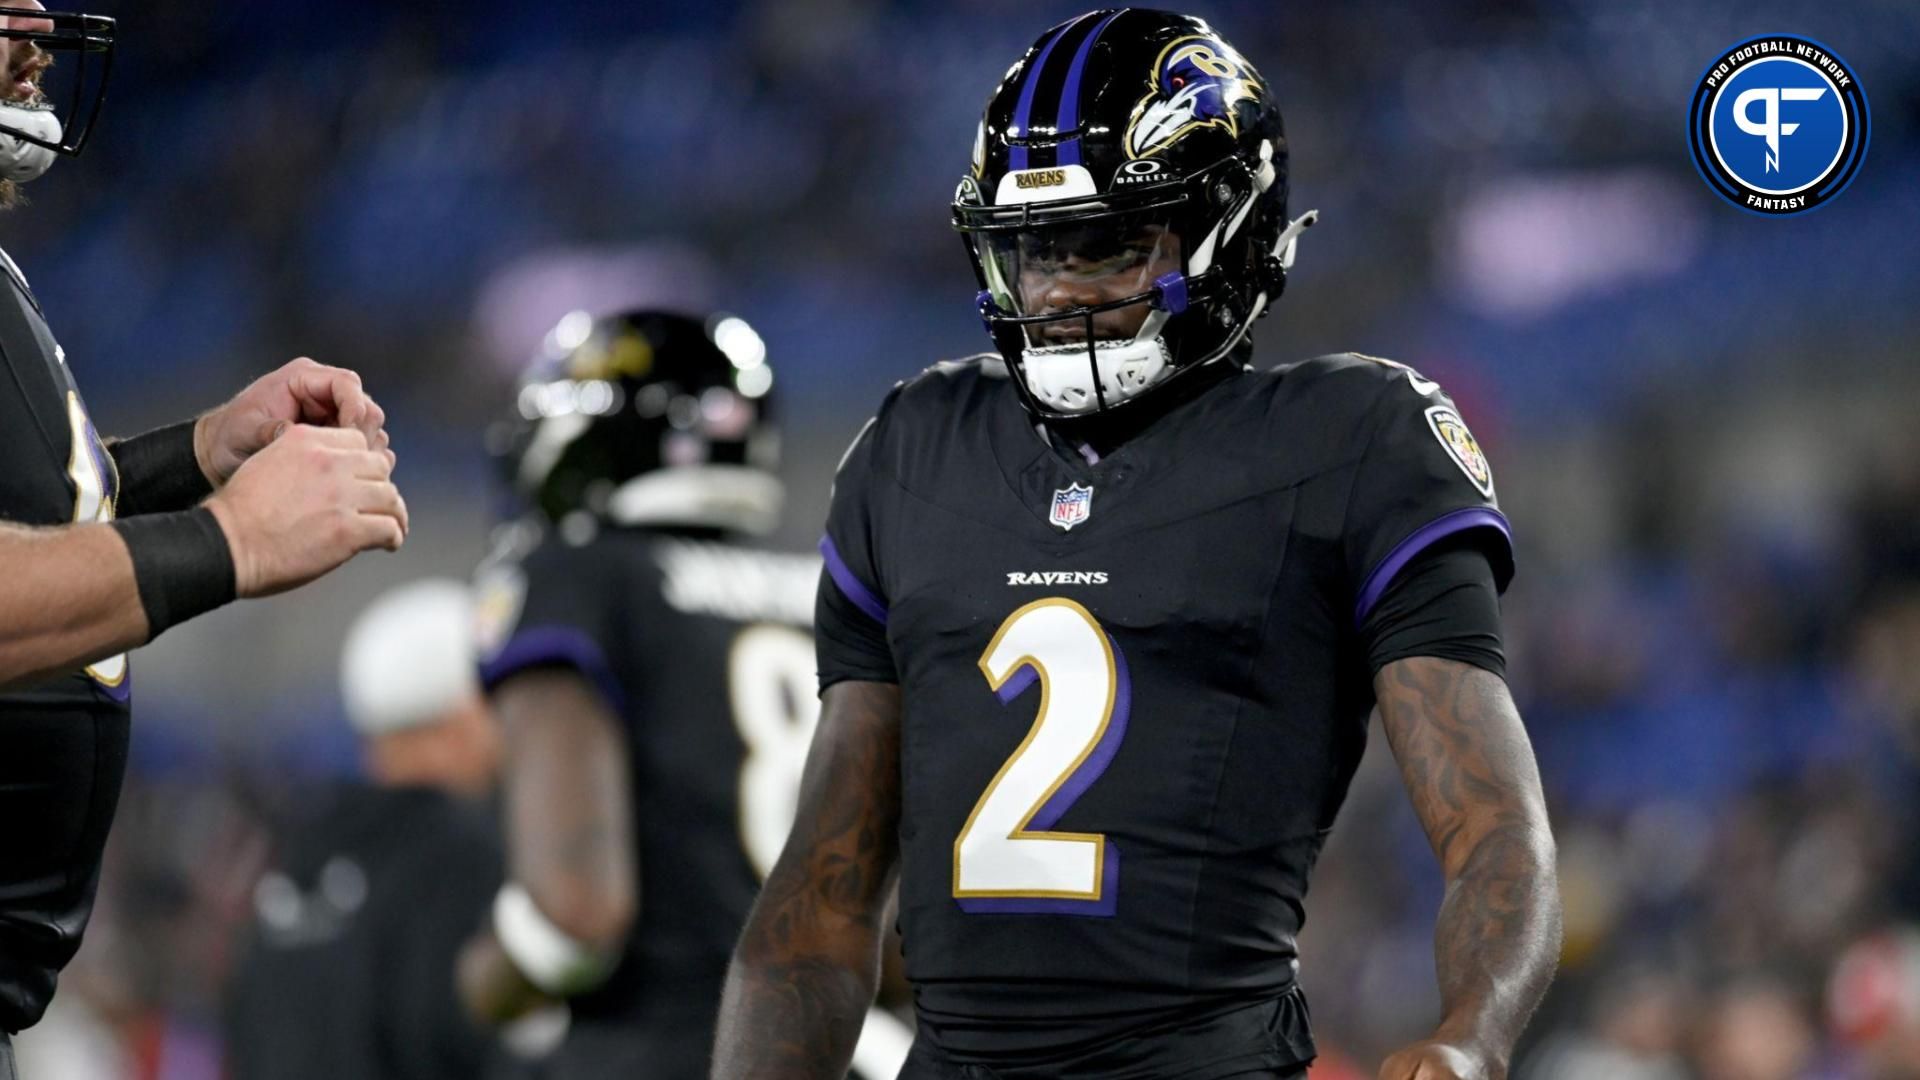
(1141, 171)
(1195, 83)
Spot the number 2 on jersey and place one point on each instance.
(1007, 857)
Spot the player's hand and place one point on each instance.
(1434, 1059)
(314, 498)
(302, 391)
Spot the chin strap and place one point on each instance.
(20, 160)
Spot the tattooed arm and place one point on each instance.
(1469, 768)
(569, 832)
(803, 974)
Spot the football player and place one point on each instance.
(106, 544)
(654, 677)
(1104, 616)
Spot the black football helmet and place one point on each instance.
(1132, 165)
(645, 418)
(91, 39)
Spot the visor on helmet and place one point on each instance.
(1058, 277)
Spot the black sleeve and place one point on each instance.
(158, 471)
(555, 607)
(850, 611)
(1422, 479)
(1445, 604)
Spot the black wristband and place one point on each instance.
(181, 564)
(158, 471)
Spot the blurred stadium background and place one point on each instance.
(1706, 427)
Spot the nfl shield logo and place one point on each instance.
(1071, 505)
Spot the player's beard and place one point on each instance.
(18, 58)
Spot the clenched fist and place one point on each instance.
(302, 391)
(313, 498)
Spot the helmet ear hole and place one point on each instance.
(1273, 278)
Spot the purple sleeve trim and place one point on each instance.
(542, 645)
(850, 586)
(1445, 525)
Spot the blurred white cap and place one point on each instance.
(409, 658)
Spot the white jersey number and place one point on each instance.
(775, 705)
(1007, 856)
(91, 502)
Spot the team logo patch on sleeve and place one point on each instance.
(1071, 506)
(1461, 446)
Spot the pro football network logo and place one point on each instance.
(1779, 125)
(1071, 506)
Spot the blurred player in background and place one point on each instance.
(1212, 574)
(107, 544)
(344, 971)
(654, 679)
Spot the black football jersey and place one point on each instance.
(702, 647)
(63, 741)
(1134, 689)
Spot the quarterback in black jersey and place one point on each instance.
(1103, 618)
(107, 543)
(655, 679)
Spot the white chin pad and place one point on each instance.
(1059, 376)
(20, 160)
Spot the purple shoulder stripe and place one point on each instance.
(850, 586)
(1472, 517)
(543, 645)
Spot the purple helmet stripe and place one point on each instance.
(1069, 113)
(1022, 114)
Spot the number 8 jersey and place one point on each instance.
(1134, 690)
(701, 647)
